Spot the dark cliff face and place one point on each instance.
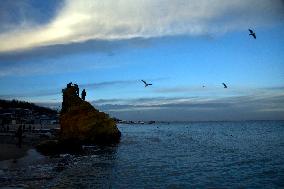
(80, 121)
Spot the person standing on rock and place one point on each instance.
(69, 85)
(19, 134)
(83, 94)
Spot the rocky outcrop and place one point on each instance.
(81, 122)
(54, 147)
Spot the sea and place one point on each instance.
(246, 154)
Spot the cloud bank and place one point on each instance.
(88, 86)
(262, 104)
(248, 107)
(79, 21)
(237, 108)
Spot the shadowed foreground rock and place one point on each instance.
(81, 123)
(54, 147)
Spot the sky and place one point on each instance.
(107, 47)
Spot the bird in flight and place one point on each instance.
(252, 33)
(225, 86)
(146, 84)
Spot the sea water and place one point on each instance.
(167, 155)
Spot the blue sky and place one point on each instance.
(179, 46)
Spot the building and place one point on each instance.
(14, 116)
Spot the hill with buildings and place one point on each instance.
(6, 104)
(20, 112)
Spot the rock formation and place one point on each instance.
(81, 122)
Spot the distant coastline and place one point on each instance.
(171, 122)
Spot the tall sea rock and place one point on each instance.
(80, 121)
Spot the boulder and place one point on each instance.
(81, 122)
(54, 147)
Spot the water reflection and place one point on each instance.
(183, 155)
(91, 169)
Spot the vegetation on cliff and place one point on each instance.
(6, 104)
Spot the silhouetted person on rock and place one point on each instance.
(77, 89)
(83, 94)
(19, 134)
(69, 85)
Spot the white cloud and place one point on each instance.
(84, 20)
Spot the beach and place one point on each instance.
(9, 142)
(11, 151)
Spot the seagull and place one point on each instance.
(252, 33)
(203, 86)
(146, 84)
(225, 86)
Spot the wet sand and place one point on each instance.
(12, 151)
(9, 148)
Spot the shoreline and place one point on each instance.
(12, 151)
(9, 149)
